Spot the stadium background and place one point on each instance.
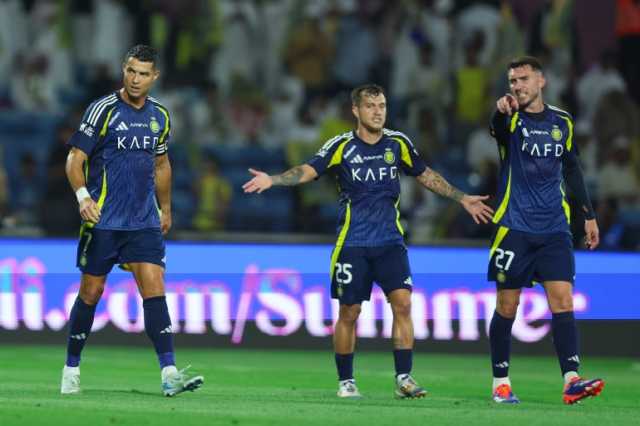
(262, 83)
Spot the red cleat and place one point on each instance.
(579, 389)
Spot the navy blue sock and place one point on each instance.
(80, 322)
(500, 339)
(157, 324)
(344, 364)
(565, 339)
(403, 359)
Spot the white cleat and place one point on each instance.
(407, 388)
(176, 381)
(348, 389)
(70, 380)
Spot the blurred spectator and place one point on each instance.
(13, 37)
(430, 87)
(187, 33)
(482, 151)
(483, 18)
(27, 193)
(617, 178)
(111, 35)
(59, 209)
(102, 82)
(628, 33)
(356, 49)
(308, 54)
(615, 115)
(207, 115)
(436, 29)
(213, 194)
(553, 28)
(472, 88)
(601, 78)
(235, 60)
(44, 69)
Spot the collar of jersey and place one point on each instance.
(537, 116)
(357, 138)
(131, 107)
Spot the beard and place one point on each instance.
(525, 105)
(371, 129)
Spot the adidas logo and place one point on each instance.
(166, 330)
(408, 281)
(357, 160)
(81, 336)
(574, 358)
(122, 126)
(503, 364)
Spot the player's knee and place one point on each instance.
(349, 313)
(401, 308)
(91, 295)
(561, 304)
(507, 308)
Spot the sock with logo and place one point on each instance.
(500, 339)
(157, 324)
(344, 364)
(565, 339)
(403, 359)
(80, 322)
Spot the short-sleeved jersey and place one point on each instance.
(369, 185)
(532, 148)
(121, 143)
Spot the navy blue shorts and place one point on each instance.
(356, 268)
(518, 259)
(100, 249)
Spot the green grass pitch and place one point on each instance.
(250, 387)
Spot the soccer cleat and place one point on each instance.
(176, 381)
(407, 388)
(348, 389)
(578, 389)
(70, 380)
(504, 395)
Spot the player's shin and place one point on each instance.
(157, 324)
(80, 322)
(500, 340)
(565, 340)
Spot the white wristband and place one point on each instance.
(82, 193)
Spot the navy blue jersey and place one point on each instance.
(369, 185)
(533, 147)
(121, 143)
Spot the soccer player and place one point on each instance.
(532, 241)
(366, 163)
(118, 167)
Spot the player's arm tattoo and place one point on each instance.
(433, 181)
(289, 178)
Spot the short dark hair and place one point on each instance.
(522, 61)
(365, 90)
(143, 53)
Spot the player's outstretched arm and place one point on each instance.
(163, 190)
(74, 167)
(473, 204)
(294, 176)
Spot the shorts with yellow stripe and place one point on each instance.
(519, 259)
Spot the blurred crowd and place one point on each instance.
(263, 83)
